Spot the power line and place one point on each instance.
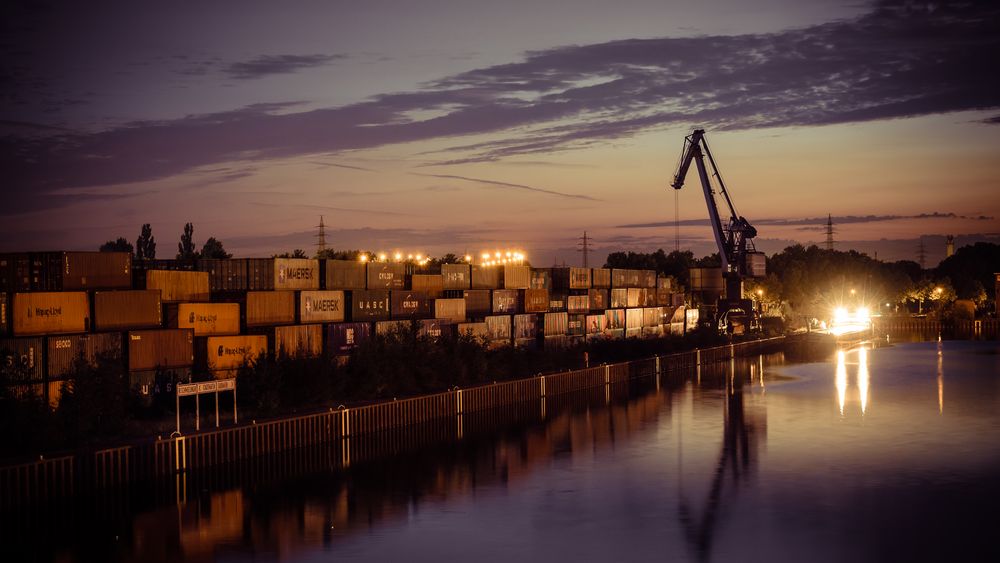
(585, 249)
(829, 232)
(321, 237)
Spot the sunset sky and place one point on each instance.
(459, 126)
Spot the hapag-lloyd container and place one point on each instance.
(152, 349)
(62, 351)
(178, 286)
(346, 274)
(206, 319)
(506, 301)
(386, 275)
(516, 277)
(536, 300)
(127, 310)
(478, 302)
(554, 324)
(296, 273)
(456, 276)
(450, 309)
(601, 277)
(40, 313)
(226, 354)
(370, 305)
(269, 308)
(324, 306)
(341, 338)
(499, 329)
(410, 305)
(299, 340)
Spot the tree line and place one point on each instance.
(145, 245)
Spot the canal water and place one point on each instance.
(884, 451)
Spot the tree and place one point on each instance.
(297, 253)
(120, 245)
(213, 249)
(145, 245)
(185, 248)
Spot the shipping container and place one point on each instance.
(616, 318)
(691, 318)
(158, 384)
(478, 331)
(478, 302)
(651, 316)
(526, 326)
(296, 273)
(663, 297)
(599, 299)
(619, 298)
(557, 301)
(450, 309)
(554, 324)
(636, 297)
(652, 331)
(341, 338)
(597, 324)
(206, 319)
(127, 310)
(431, 285)
(224, 275)
(571, 278)
(225, 355)
(677, 329)
(677, 300)
(178, 286)
(536, 300)
(647, 279)
(601, 278)
(410, 305)
(676, 314)
(34, 314)
(322, 306)
(500, 330)
(666, 282)
(165, 348)
(541, 279)
(298, 340)
(4, 316)
(456, 276)
(633, 319)
(435, 328)
(22, 359)
(507, 301)
(558, 342)
(62, 351)
(619, 278)
(485, 277)
(270, 308)
(516, 277)
(65, 271)
(577, 325)
(369, 305)
(649, 297)
(578, 303)
(386, 275)
(346, 274)
(260, 274)
(392, 327)
(703, 279)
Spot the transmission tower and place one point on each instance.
(829, 232)
(321, 237)
(585, 248)
(921, 254)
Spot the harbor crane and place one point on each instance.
(740, 260)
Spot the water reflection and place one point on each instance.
(862, 375)
(840, 379)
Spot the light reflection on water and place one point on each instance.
(745, 460)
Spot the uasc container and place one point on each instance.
(50, 313)
(179, 286)
(296, 273)
(321, 306)
(152, 349)
(370, 305)
(206, 319)
(63, 351)
(269, 308)
(346, 274)
(410, 305)
(298, 340)
(127, 310)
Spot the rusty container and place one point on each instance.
(270, 308)
(178, 286)
(298, 340)
(164, 348)
(450, 309)
(346, 274)
(127, 310)
(62, 351)
(536, 300)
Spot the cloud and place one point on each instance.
(267, 65)
(506, 185)
(900, 59)
(817, 223)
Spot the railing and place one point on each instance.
(363, 431)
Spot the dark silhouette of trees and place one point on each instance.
(145, 245)
(120, 245)
(185, 248)
(971, 269)
(213, 249)
(297, 253)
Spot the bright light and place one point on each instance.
(409, 257)
(862, 314)
(840, 315)
(398, 257)
(853, 291)
(419, 257)
(382, 256)
(845, 322)
(468, 258)
(363, 258)
(486, 256)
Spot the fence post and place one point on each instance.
(607, 374)
(543, 385)
(458, 401)
(697, 356)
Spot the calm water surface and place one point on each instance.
(872, 453)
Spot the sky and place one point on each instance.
(461, 126)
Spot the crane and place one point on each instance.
(734, 239)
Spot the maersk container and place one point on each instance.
(296, 273)
(435, 328)
(478, 302)
(450, 309)
(324, 306)
(386, 275)
(206, 319)
(178, 286)
(410, 305)
(346, 274)
(577, 325)
(369, 305)
(706, 279)
(619, 278)
(541, 279)
(456, 276)
(165, 348)
(506, 301)
(578, 304)
(557, 301)
(526, 326)
(536, 300)
(500, 329)
(619, 298)
(298, 340)
(22, 359)
(554, 324)
(127, 310)
(225, 355)
(62, 351)
(616, 318)
(431, 285)
(478, 331)
(270, 308)
(390, 327)
(341, 338)
(34, 314)
(516, 277)
(599, 300)
(571, 278)
(485, 277)
(601, 278)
